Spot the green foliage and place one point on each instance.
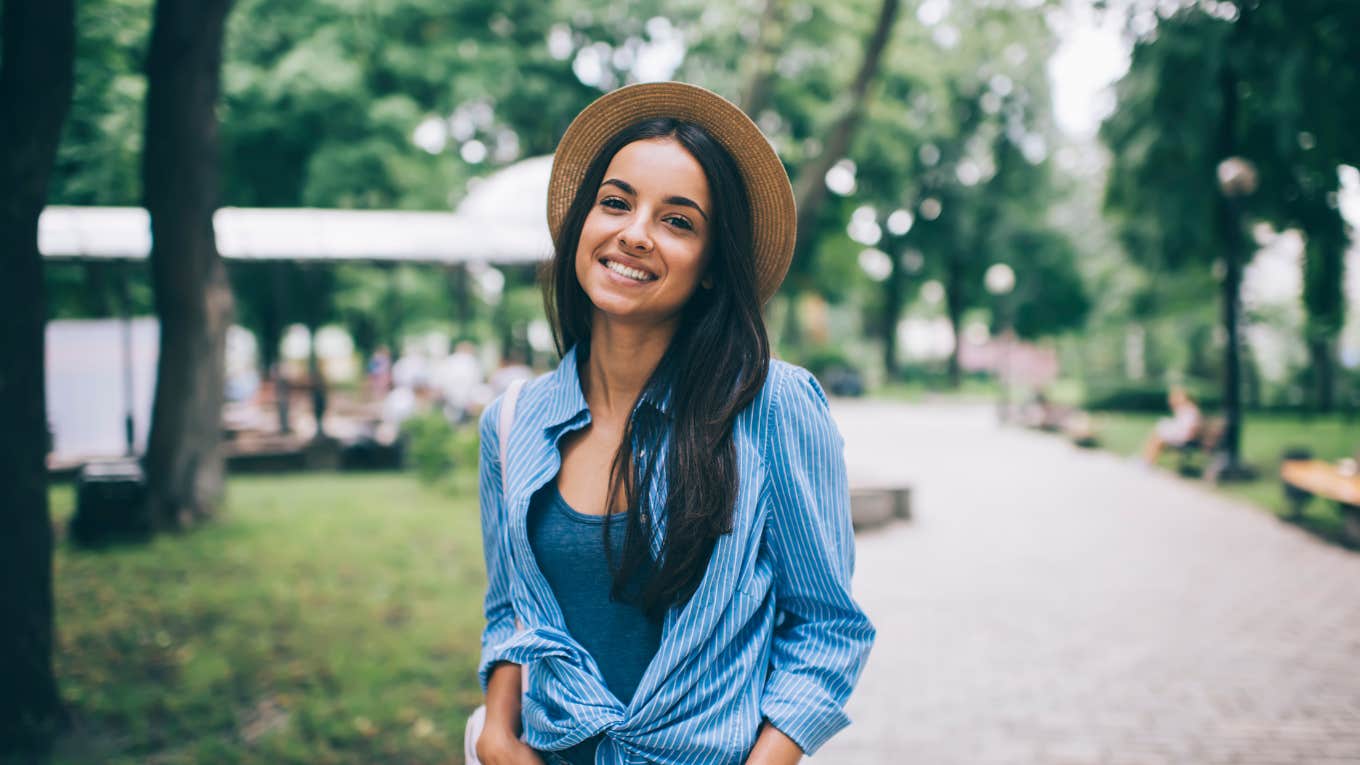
(322, 99)
(967, 129)
(321, 619)
(1293, 96)
(99, 158)
(1142, 397)
(429, 445)
(821, 359)
(1165, 144)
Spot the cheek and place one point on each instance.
(594, 230)
(688, 264)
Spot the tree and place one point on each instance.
(756, 91)
(35, 92)
(1306, 95)
(810, 183)
(1261, 86)
(959, 136)
(184, 466)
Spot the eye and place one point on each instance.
(679, 222)
(614, 203)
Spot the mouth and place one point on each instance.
(627, 272)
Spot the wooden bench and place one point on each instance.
(876, 504)
(1073, 423)
(1080, 429)
(1305, 479)
(1200, 446)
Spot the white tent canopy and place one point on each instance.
(501, 221)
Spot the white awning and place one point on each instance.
(302, 234)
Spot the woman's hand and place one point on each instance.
(499, 743)
(500, 746)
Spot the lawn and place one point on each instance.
(1264, 438)
(320, 619)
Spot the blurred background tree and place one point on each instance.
(36, 49)
(1253, 82)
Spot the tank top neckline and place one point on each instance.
(560, 502)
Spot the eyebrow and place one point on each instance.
(672, 200)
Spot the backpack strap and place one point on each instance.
(503, 428)
(503, 433)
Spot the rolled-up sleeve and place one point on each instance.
(821, 638)
(500, 615)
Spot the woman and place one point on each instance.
(1178, 430)
(667, 536)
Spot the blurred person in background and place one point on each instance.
(513, 366)
(459, 381)
(1179, 429)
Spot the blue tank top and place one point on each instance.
(569, 548)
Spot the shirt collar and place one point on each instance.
(565, 401)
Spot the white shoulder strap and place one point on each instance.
(503, 430)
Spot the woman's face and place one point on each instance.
(644, 244)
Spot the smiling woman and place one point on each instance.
(666, 516)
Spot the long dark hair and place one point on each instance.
(714, 366)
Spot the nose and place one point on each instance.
(634, 236)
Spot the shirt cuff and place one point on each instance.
(491, 656)
(802, 710)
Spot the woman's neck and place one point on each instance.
(622, 358)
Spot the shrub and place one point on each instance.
(430, 445)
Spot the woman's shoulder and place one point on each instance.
(531, 389)
(788, 382)
(788, 387)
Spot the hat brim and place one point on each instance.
(773, 213)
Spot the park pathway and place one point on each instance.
(1050, 606)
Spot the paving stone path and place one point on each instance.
(1052, 606)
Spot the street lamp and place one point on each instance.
(1000, 281)
(1237, 180)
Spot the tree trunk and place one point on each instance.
(1324, 296)
(954, 300)
(755, 95)
(1321, 361)
(1234, 249)
(193, 298)
(1230, 445)
(892, 310)
(810, 188)
(810, 191)
(38, 40)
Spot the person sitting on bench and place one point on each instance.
(1179, 429)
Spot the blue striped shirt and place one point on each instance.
(772, 632)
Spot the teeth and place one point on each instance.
(631, 273)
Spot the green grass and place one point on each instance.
(970, 390)
(1264, 438)
(320, 619)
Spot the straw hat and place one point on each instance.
(773, 216)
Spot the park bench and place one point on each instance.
(1080, 429)
(875, 504)
(1307, 478)
(1201, 446)
(1072, 422)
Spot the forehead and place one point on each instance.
(660, 166)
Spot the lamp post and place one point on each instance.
(1237, 180)
(1000, 281)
